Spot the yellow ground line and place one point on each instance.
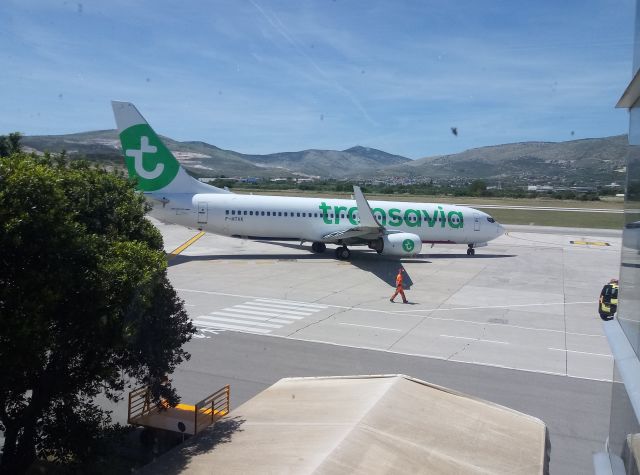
(590, 243)
(181, 248)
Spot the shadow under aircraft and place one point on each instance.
(383, 267)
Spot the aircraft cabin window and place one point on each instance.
(285, 213)
(245, 213)
(315, 215)
(279, 213)
(304, 215)
(331, 215)
(226, 211)
(262, 213)
(250, 213)
(298, 215)
(268, 213)
(233, 211)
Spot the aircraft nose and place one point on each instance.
(500, 229)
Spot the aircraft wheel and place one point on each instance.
(343, 253)
(471, 252)
(318, 247)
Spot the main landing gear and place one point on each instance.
(343, 253)
(318, 247)
(471, 251)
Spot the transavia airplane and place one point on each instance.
(390, 228)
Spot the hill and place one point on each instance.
(205, 160)
(583, 162)
(577, 161)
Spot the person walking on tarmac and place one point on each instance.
(399, 289)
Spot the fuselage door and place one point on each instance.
(476, 222)
(203, 212)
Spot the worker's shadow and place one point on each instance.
(386, 269)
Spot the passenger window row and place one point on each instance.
(304, 214)
(292, 214)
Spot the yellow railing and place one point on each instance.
(211, 408)
(205, 413)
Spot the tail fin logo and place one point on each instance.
(147, 158)
(137, 159)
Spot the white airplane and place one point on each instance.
(390, 228)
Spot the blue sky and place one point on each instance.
(261, 76)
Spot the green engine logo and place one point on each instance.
(407, 245)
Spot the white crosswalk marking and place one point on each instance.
(241, 309)
(255, 316)
(249, 305)
(281, 307)
(237, 320)
(231, 327)
(290, 303)
(247, 317)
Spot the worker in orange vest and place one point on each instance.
(399, 289)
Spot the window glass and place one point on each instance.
(226, 211)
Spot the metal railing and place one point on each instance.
(211, 408)
(139, 404)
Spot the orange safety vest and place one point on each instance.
(399, 279)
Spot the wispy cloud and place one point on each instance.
(265, 76)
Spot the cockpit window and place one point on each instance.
(490, 219)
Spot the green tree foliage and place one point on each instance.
(85, 306)
(477, 188)
(10, 144)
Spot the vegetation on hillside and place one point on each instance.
(474, 188)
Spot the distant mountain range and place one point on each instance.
(577, 161)
(205, 160)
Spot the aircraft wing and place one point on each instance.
(358, 232)
(368, 229)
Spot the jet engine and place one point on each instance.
(397, 244)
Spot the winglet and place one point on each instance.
(364, 210)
